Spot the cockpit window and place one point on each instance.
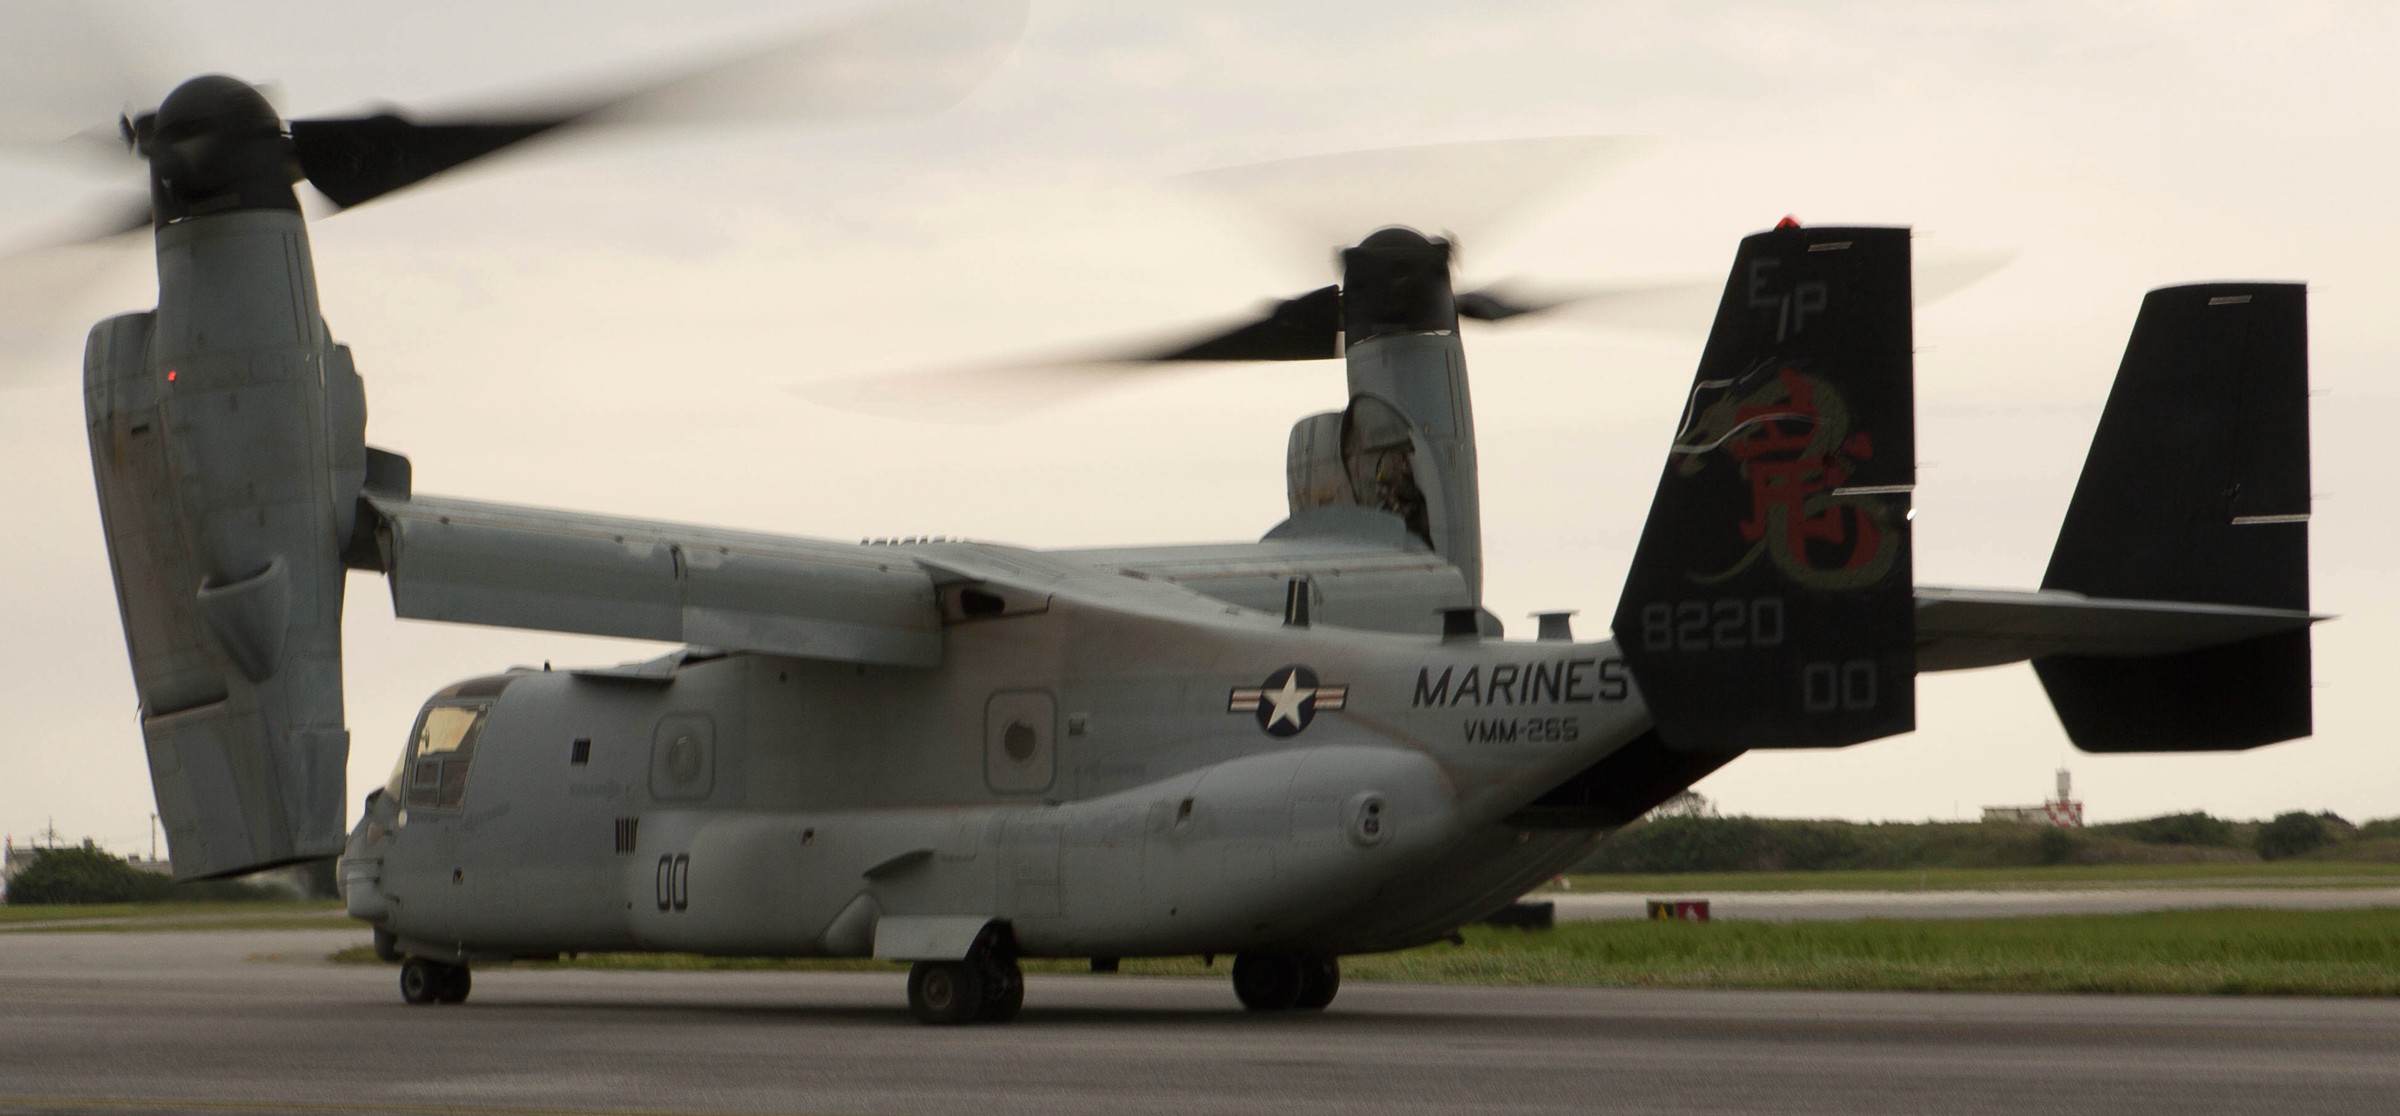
(433, 772)
(448, 728)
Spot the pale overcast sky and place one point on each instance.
(610, 326)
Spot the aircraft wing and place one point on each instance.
(1959, 629)
(469, 562)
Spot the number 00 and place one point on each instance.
(1848, 687)
(675, 882)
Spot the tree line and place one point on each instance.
(1693, 839)
(86, 874)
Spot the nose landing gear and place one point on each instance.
(425, 981)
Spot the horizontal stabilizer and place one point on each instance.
(1960, 629)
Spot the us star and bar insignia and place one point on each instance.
(1290, 699)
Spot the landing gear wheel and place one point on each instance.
(455, 985)
(424, 981)
(1320, 978)
(1005, 995)
(421, 980)
(1267, 981)
(946, 992)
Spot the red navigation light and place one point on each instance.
(1788, 222)
(170, 375)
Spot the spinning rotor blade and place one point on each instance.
(971, 395)
(1667, 305)
(112, 217)
(909, 58)
(92, 62)
(1675, 305)
(1468, 189)
(1305, 328)
(41, 282)
(1939, 277)
(355, 160)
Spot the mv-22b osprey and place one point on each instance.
(957, 755)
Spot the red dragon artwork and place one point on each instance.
(1790, 439)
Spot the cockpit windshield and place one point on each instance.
(432, 774)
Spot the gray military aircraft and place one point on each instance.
(956, 755)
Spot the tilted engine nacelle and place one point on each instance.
(227, 436)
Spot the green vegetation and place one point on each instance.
(2326, 953)
(2238, 873)
(1696, 841)
(284, 913)
(85, 875)
(2173, 829)
(2293, 834)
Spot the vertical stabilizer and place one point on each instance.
(1769, 604)
(2196, 490)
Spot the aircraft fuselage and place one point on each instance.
(1100, 799)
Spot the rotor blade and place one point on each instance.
(1675, 305)
(1468, 189)
(914, 57)
(105, 219)
(971, 395)
(42, 287)
(1940, 276)
(1305, 328)
(358, 159)
(89, 61)
(1308, 327)
(1669, 305)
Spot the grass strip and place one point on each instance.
(2237, 874)
(150, 913)
(2215, 952)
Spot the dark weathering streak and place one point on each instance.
(1569, 681)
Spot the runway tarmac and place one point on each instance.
(1807, 906)
(216, 1021)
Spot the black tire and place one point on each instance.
(1320, 978)
(947, 992)
(1267, 981)
(421, 980)
(1005, 995)
(455, 985)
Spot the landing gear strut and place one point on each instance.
(1286, 981)
(986, 987)
(424, 981)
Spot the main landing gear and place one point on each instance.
(1286, 981)
(987, 987)
(424, 981)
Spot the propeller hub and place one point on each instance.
(214, 104)
(1396, 236)
(215, 144)
(1396, 281)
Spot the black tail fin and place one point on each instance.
(2196, 490)
(1769, 603)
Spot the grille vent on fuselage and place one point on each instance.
(628, 831)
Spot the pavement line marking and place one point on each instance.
(173, 1104)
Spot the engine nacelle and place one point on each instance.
(228, 445)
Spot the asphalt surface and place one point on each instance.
(256, 1021)
(1806, 906)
